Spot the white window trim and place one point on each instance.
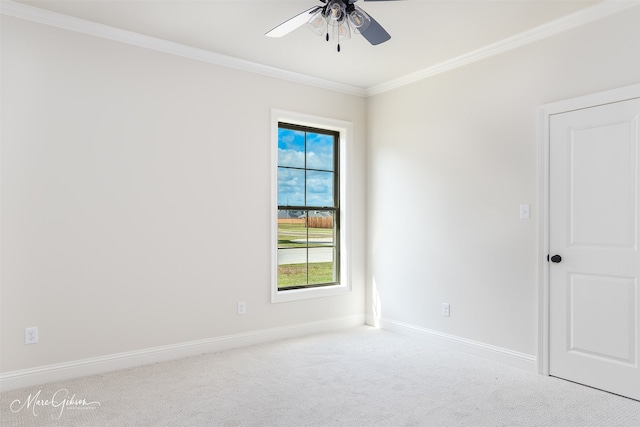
(345, 129)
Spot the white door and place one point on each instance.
(594, 229)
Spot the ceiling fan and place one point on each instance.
(338, 18)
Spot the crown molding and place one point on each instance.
(569, 22)
(70, 23)
(574, 20)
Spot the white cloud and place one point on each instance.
(291, 158)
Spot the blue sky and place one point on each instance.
(317, 153)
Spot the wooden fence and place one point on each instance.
(313, 222)
(292, 221)
(320, 222)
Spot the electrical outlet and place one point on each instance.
(446, 309)
(242, 307)
(31, 335)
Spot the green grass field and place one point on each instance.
(289, 232)
(296, 274)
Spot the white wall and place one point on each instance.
(448, 170)
(135, 192)
(135, 198)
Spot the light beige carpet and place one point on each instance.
(356, 377)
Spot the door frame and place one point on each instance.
(544, 116)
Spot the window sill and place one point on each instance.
(301, 294)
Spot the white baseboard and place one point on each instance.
(113, 362)
(487, 351)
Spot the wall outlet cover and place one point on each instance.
(242, 307)
(31, 335)
(446, 309)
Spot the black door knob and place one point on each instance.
(556, 258)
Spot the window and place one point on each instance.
(308, 207)
(310, 237)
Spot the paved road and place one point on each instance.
(299, 255)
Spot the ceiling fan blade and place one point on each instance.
(374, 33)
(291, 24)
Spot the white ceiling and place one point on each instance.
(423, 33)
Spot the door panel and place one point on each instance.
(602, 185)
(594, 301)
(590, 298)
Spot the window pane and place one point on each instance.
(292, 267)
(290, 187)
(290, 148)
(320, 151)
(292, 229)
(321, 265)
(307, 235)
(320, 188)
(321, 228)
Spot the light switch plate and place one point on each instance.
(525, 211)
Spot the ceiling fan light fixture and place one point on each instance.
(359, 19)
(342, 31)
(342, 15)
(317, 23)
(335, 12)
